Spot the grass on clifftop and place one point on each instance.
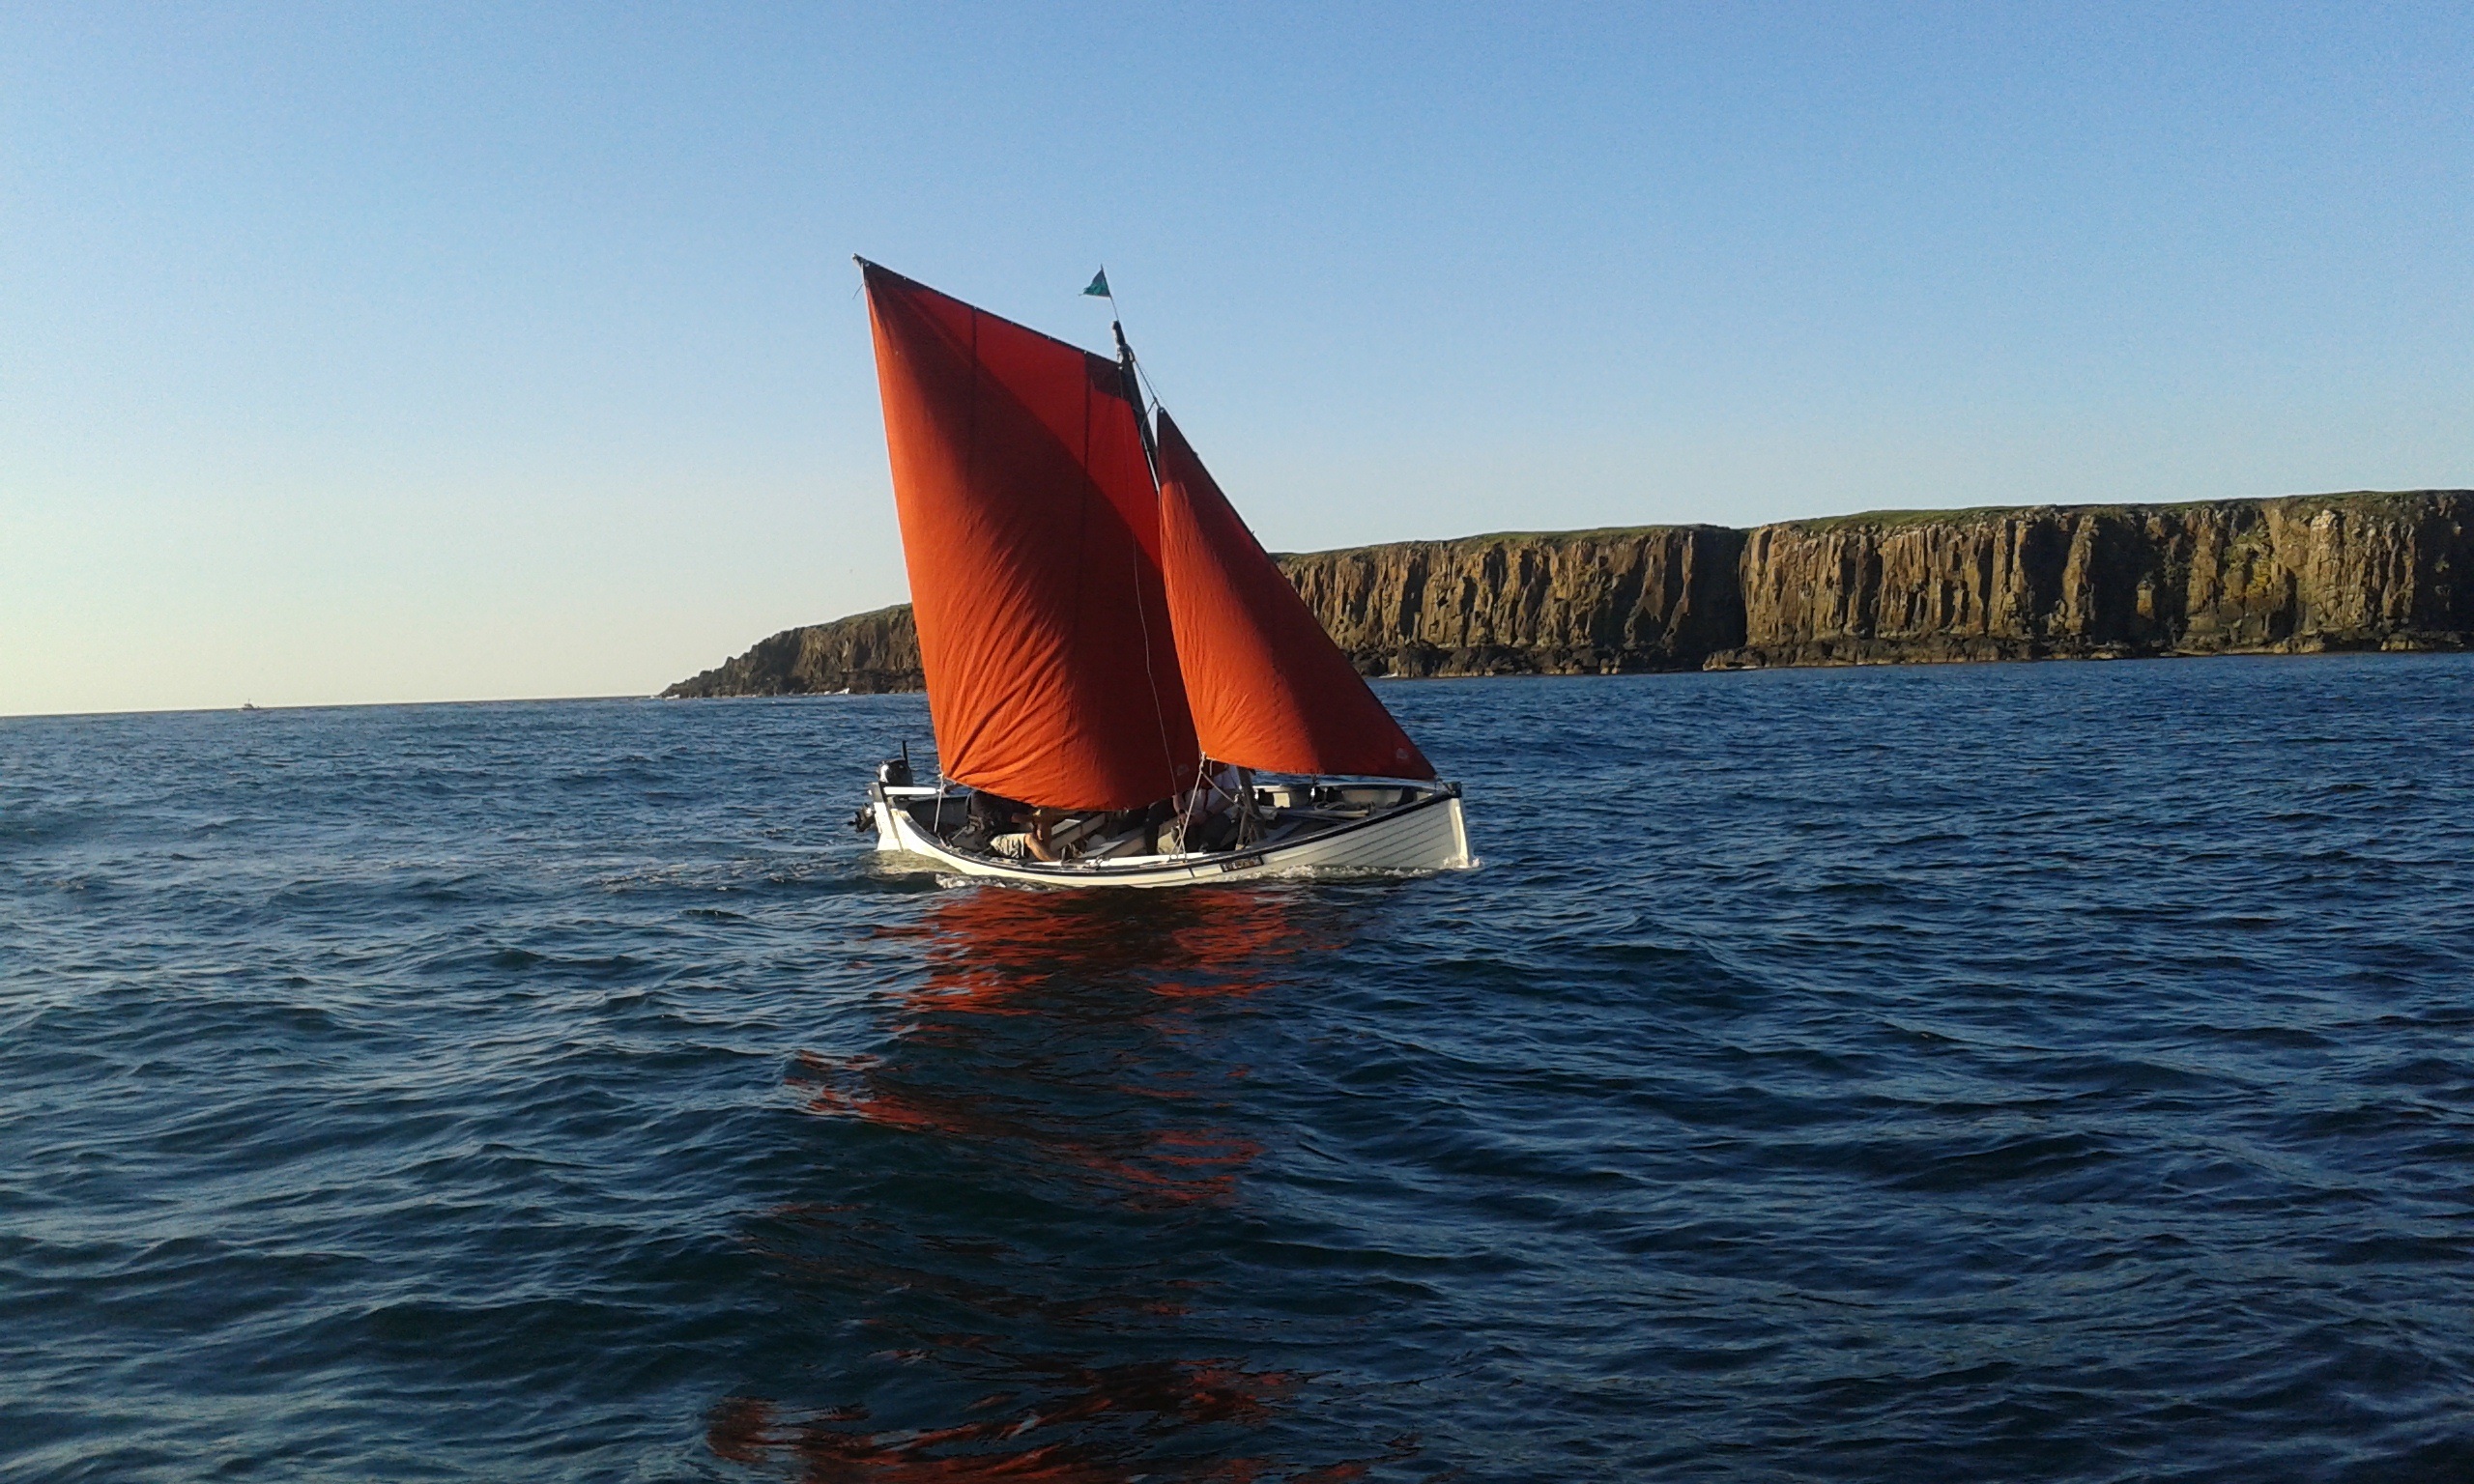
(1885, 519)
(1895, 519)
(1492, 537)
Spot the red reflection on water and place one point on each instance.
(1034, 1048)
(996, 949)
(1014, 953)
(1104, 1430)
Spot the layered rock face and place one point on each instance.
(2267, 576)
(1587, 602)
(2366, 571)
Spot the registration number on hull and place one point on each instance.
(1241, 863)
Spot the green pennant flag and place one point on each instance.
(1098, 288)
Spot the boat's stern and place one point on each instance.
(881, 813)
(892, 809)
(893, 802)
(1461, 859)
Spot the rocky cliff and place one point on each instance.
(1564, 603)
(864, 654)
(2362, 571)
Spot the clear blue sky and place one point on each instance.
(395, 352)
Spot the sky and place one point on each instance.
(410, 351)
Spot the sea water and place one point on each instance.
(1988, 1073)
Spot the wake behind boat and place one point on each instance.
(1125, 689)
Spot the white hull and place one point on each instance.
(1427, 833)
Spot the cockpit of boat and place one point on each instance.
(1268, 813)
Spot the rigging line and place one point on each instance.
(1191, 809)
(1142, 609)
(1158, 711)
(1131, 372)
(1139, 369)
(1144, 372)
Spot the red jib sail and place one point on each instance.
(1268, 687)
(1031, 527)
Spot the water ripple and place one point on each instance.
(2005, 1072)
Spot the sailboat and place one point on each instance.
(1125, 689)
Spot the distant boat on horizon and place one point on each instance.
(1125, 690)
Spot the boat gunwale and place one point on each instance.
(1200, 866)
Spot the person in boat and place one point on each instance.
(1031, 842)
(988, 816)
(1216, 813)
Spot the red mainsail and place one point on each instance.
(1269, 690)
(1030, 526)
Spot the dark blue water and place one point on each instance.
(1997, 1072)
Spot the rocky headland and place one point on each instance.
(2295, 575)
(865, 654)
